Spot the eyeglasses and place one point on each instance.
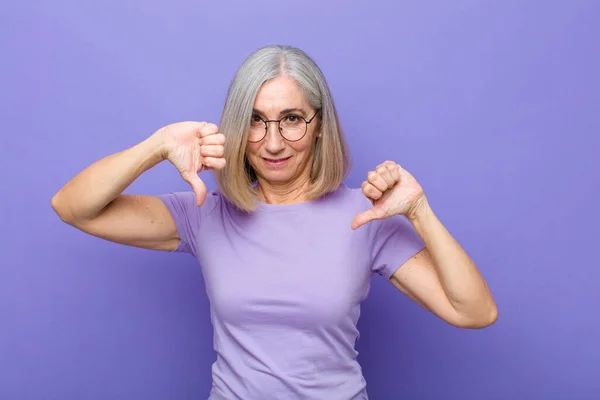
(292, 127)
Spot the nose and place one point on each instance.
(274, 141)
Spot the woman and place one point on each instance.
(285, 263)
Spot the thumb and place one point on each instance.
(363, 218)
(198, 186)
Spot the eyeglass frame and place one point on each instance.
(266, 122)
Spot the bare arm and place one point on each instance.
(93, 201)
(443, 279)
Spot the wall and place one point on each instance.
(493, 106)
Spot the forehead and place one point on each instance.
(280, 93)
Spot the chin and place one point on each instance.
(278, 176)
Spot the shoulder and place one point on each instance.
(344, 203)
(350, 198)
(184, 203)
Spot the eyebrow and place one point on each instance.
(286, 111)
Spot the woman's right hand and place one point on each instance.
(192, 147)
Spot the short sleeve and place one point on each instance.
(392, 242)
(188, 217)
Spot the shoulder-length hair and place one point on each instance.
(331, 161)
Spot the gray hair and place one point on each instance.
(331, 157)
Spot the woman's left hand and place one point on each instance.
(392, 191)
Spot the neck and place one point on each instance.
(283, 193)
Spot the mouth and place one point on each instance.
(276, 162)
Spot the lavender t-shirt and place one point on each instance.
(285, 283)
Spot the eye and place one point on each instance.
(256, 120)
(293, 118)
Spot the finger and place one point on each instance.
(208, 129)
(363, 218)
(197, 185)
(392, 168)
(371, 191)
(394, 171)
(216, 139)
(212, 150)
(376, 180)
(214, 162)
(403, 173)
(386, 175)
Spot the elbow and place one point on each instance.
(55, 204)
(493, 315)
(480, 321)
(489, 319)
(60, 209)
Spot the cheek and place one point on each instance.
(303, 148)
(252, 150)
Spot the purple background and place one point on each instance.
(493, 106)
